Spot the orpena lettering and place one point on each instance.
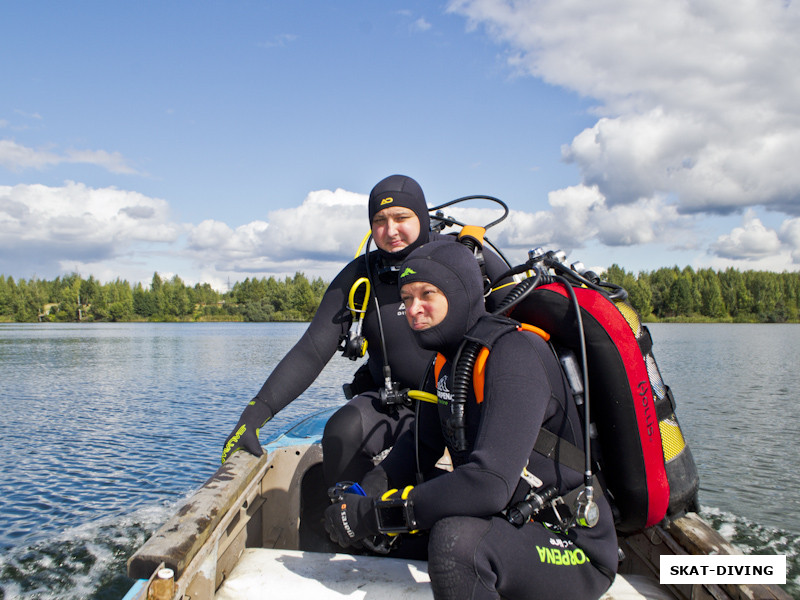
(563, 558)
(542, 553)
(444, 394)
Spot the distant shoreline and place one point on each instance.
(672, 320)
(667, 295)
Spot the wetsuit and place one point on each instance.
(361, 429)
(473, 551)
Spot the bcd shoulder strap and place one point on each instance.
(486, 332)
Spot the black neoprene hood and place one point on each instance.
(400, 190)
(453, 269)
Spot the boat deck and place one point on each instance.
(270, 573)
(254, 530)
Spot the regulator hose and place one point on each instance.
(462, 382)
(520, 291)
(444, 221)
(466, 357)
(476, 197)
(617, 291)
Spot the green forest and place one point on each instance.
(72, 298)
(667, 294)
(673, 294)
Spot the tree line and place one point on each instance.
(72, 298)
(673, 294)
(667, 294)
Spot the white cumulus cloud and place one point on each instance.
(579, 214)
(42, 226)
(697, 100)
(17, 157)
(75, 212)
(314, 237)
(107, 232)
(750, 241)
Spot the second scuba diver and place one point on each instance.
(476, 549)
(362, 428)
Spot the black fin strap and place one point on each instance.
(645, 341)
(665, 407)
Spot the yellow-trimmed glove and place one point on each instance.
(245, 435)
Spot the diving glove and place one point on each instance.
(245, 435)
(352, 519)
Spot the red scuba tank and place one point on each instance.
(643, 458)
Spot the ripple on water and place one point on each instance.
(755, 538)
(107, 425)
(82, 562)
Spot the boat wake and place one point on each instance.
(752, 538)
(85, 562)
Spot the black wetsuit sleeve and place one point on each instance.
(304, 362)
(517, 395)
(401, 463)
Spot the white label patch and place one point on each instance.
(728, 568)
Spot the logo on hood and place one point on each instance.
(408, 271)
(388, 200)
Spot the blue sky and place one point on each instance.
(224, 140)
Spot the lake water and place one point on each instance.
(106, 427)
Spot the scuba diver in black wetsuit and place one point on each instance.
(477, 546)
(363, 428)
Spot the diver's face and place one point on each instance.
(426, 305)
(395, 228)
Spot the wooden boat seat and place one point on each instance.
(271, 573)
